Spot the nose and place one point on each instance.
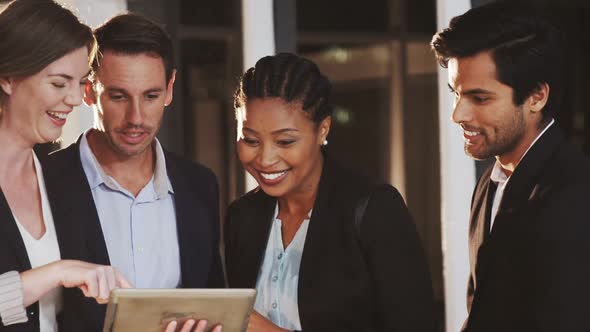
(75, 95)
(267, 156)
(461, 111)
(134, 114)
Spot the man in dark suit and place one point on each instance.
(118, 197)
(529, 230)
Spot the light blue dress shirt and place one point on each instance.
(276, 297)
(140, 232)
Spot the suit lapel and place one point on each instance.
(479, 232)
(73, 208)
(258, 221)
(9, 230)
(524, 185)
(193, 229)
(323, 210)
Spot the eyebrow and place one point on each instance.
(68, 77)
(123, 91)
(473, 91)
(154, 90)
(279, 131)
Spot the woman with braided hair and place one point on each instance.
(326, 249)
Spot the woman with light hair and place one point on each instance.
(44, 64)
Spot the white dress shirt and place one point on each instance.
(278, 279)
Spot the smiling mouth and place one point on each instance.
(58, 115)
(134, 134)
(272, 176)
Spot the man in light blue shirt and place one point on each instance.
(120, 198)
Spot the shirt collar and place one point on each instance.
(276, 214)
(96, 174)
(498, 174)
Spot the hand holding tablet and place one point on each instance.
(189, 324)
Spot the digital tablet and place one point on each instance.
(150, 310)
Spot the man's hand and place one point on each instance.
(189, 324)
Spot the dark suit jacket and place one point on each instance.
(375, 279)
(80, 235)
(14, 257)
(532, 272)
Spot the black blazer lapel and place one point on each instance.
(193, 244)
(254, 221)
(323, 210)
(479, 230)
(76, 219)
(10, 233)
(524, 182)
(194, 222)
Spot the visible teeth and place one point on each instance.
(272, 176)
(133, 134)
(471, 133)
(58, 115)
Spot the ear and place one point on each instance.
(324, 129)
(89, 94)
(170, 89)
(538, 98)
(6, 85)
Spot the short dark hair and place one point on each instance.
(134, 34)
(291, 78)
(525, 47)
(35, 33)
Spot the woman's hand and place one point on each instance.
(94, 280)
(259, 323)
(189, 324)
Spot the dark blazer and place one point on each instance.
(80, 235)
(532, 272)
(14, 257)
(372, 279)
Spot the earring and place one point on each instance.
(325, 142)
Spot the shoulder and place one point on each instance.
(193, 171)
(247, 202)
(62, 160)
(345, 184)
(192, 180)
(72, 151)
(569, 166)
(562, 193)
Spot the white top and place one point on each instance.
(44, 251)
(501, 179)
(278, 279)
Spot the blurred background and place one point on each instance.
(392, 107)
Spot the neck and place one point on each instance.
(16, 157)
(302, 201)
(131, 172)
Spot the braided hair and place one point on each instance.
(291, 78)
